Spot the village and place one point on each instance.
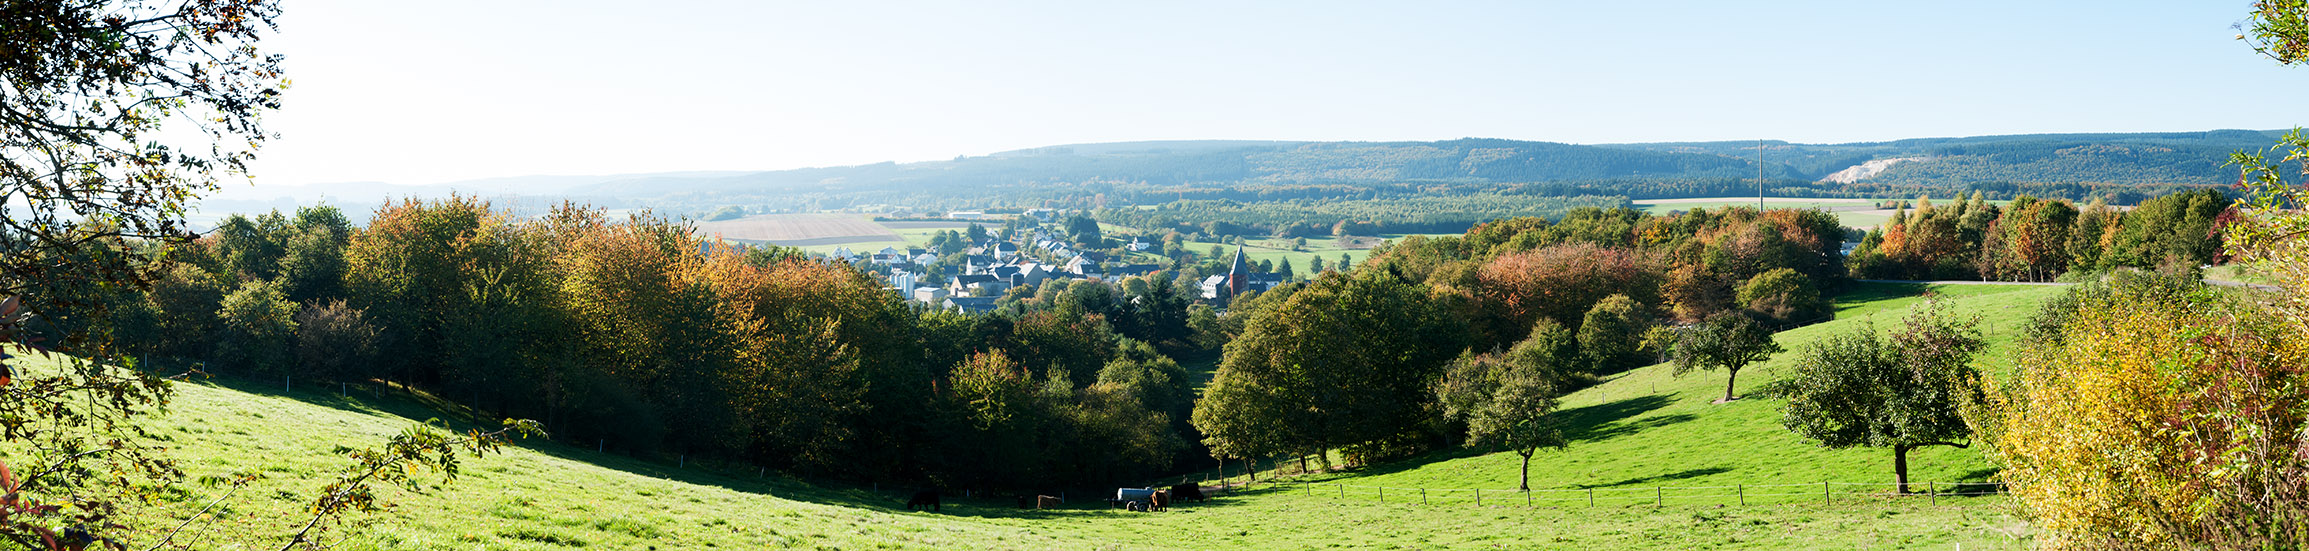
(979, 280)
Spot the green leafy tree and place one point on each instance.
(185, 300)
(1611, 337)
(2279, 29)
(1727, 341)
(1785, 296)
(1507, 400)
(1903, 392)
(258, 329)
(1346, 361)
(312, 264)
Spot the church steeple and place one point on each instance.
(1238, 276)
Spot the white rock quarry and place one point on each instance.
(1862, 171)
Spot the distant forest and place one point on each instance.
(2121, 169)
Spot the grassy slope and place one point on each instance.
(550, 496)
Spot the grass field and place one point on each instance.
(1638, 431)
(1850, 218)
(800, 229)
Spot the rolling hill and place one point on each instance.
(1639, 431)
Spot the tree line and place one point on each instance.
(638, 335)
(1471, 339)
(2041, 239)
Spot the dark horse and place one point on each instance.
(1188, 491)
(925, 498)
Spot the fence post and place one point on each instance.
(1743, 495)
(1591, 497)
(1422, 496)
(1382, 494)
(1342, 490)
(1478, 497)
(1527, 498)
(1824, 498)
(1659, 496)
(1931, 490)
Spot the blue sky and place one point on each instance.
(428, 91)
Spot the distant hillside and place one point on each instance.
(1149, 172)
(2188, 158)
(2121, 167)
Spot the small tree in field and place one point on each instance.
(1727, 340)
(1902, 392)
(1506, 399)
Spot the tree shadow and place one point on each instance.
(1862, 292)
(1981, 475)
(373, 398)
(1608, 420)
(1689, 473)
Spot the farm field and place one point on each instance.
(1855, 213)
(800, 229)
(1640, 430)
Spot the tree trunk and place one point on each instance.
(1525, 484)
(1729, 383)
(1900, 466)
(1302, 463)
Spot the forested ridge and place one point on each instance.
(2122, 168)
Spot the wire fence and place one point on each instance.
(1932, 492)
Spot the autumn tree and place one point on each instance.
(1559, 283)
(2153, 412)
(335, 342)
(1727, 341)
(1903, 392)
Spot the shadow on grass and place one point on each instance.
(1689, 473)
(393, 400)
(1857, 293)
(371, 397)
(1607, 420)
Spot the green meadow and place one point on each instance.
(1669, 470)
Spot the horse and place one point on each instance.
(1188, 491)
(925, 498)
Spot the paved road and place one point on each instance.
(2223, 283)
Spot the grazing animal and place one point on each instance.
(1025, 501)
(1160, 499)
(925, 498)
(1188, 491)
(1047, 502)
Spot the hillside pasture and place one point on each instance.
(1632, 436)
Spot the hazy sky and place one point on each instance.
(426, 91)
